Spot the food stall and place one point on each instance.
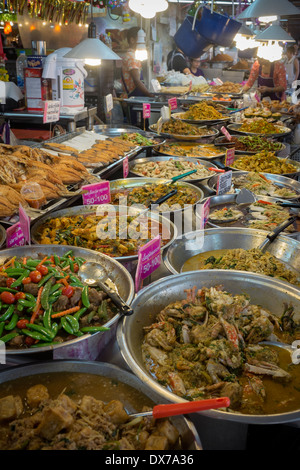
(151, 264)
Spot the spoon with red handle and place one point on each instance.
(174, 409)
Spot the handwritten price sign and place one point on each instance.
(149, 259)
(125, 167)
(224, 183)
(226, 133)
(203, 212)
(230, 156)
(173, 103)
(51, 111)
(15, 236)
(97, 193)
(146, 110)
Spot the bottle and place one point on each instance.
(33, 194)
(21, 64)
(109, 41)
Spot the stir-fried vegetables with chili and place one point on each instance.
(264, 162)
(43, 302)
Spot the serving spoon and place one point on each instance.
(93, 275)
(291, 348)
(175, 409)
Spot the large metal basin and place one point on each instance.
(190, 244)
(190, 438)
(87, 346)
(267, 292)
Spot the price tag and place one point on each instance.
(24, 222)
(224, 183)
(109, 102)
(203, 212)
(173, 103)
(226, 133)
(218, 81)
(97, 193)
(15, 236)
(230, 156)
(125, 167)
(149, 259)
(146, 110)
(51, 111)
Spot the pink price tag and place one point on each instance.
(226, 133)
(125, 167)
(149, 259)
(97, 193)
(230, 156)
(15, 236)
(146, 110)
(224, 183)
(204, 213)
(173, 103)
(24, 221)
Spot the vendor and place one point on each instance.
(271, 79)
(132, 75)
(177, 61)
(291, 64)
(194, 67)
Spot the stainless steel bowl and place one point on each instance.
(130, 183)
(118, 275)
(218, 141)
(166, 158)
(190, 437)
(267, 292)
(280, 181)
(168, 226)
(296, 164)
(193, 243)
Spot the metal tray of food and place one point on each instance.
(269, 293)
(218, 142)
(242, 216)
(190, 244)
(295, 164)
(191, 162)
(118, 384)
(236, 128)
(168, 228)
(127, 184)
(277, 180)
(206, 122)
(117, 275)
(221, 154)
(212, 132)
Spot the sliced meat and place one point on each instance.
(31, 288)
(54, 420)
(60, 304)
(75, 297)
(96, 297)
(10, 408)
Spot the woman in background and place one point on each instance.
(271, 79)
(194, 67)
(291, 64)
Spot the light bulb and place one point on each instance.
(141, 54)
(244, 42)
(267, 19)
(270, 51)
(92, 62)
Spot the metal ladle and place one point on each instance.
(93, 275)
(293, 350)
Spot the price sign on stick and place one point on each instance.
(173, 103)
(125, 167)
(51, 111)
(230, 156)
(146, 110)
(226, 133)
(149, 259)
(224, 183)
(203, 212)
(24, 222)
(109, 102)
(97, 193)
(15, 236)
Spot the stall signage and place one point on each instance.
(146, 110)
(226, 133)
(230, 156)
(15, 236)
(96, 193)
(203, 212)
(149, 259)
(109, 103)
(224, 183)
(24, 222)
(51, 111)
(173, 103)
(125, 167)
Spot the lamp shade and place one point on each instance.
(92, 48)
(245, 31)
(264, 7)
(274, 33)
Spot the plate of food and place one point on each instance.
(201, 113)
(266, 162)
(250, 144)
(259, 126)
(191, 149)
(179, 130)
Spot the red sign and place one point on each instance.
(97, 193)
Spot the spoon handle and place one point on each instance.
(163, 411)
(124, 309)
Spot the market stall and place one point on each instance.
(155, 263)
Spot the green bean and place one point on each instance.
(75, 282)
(66, 326)
(93, 329)
(14, 272)
(27, 303)
(8, 289)
(41, 345)
(69, 253)
(18, 282)
(40, 329)
(13, 322)
(80, 312)
(20, 307)
(53, 298)
(35, 335)
(55, 288)
(6, 315)
(54, 329)
(85, 296)
(56, 260)
(30, 297)
(73, 322)
(2, 327)
(47, 318)
(46, 293)
(9, 337)
(45, 279)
